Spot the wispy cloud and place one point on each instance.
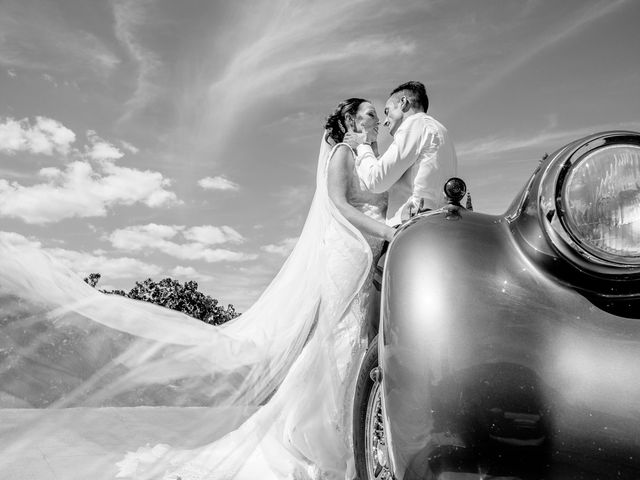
(295, 197)
(84, 263)
(35, 36)
(145, 238)
(130, 15)
(210, 235)
(291, 47)
(108, 266)
(282, 248)
(129, 147)
(552, 138)
(190, 273)
(293, 204)
(577, 22)
(244, 284)
(51, 79)
(100, 149)
(218, 183)
(19, 240)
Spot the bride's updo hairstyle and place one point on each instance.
(336, 125)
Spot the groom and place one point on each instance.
(417, 164)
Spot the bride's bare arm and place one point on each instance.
(340, 171)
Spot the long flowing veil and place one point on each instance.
(64, 344)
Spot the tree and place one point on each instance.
(93, 279)
(172, 294)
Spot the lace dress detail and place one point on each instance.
(352, 328)
(350, 336)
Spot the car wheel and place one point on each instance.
(369, 440)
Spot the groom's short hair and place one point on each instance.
(416, 94)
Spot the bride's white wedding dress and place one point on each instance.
(283, 373)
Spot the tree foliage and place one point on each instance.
(170, 293)
(93, 279)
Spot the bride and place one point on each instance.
(282, 374)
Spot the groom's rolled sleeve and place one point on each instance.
(380, 174)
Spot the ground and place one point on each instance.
(85, 443)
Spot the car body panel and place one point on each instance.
(493, 345)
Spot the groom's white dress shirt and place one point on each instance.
(415, 166)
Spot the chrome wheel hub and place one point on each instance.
(376, 445)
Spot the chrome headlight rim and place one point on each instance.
(552, 208)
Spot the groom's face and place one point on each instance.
(393, 114)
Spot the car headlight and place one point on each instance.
(601, 202)
(590, 202)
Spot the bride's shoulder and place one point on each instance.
(341, 159)
(343, 154)
(343, 149)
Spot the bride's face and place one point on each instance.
(366, 119)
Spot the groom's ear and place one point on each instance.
(404, 103)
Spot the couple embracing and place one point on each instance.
(280, 378)
(311, 354)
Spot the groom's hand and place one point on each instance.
(354, 139)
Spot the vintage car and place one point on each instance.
(509, 345)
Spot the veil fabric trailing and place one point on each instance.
(276, 367)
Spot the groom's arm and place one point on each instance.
(379, 174)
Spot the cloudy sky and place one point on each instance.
(153, 138)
